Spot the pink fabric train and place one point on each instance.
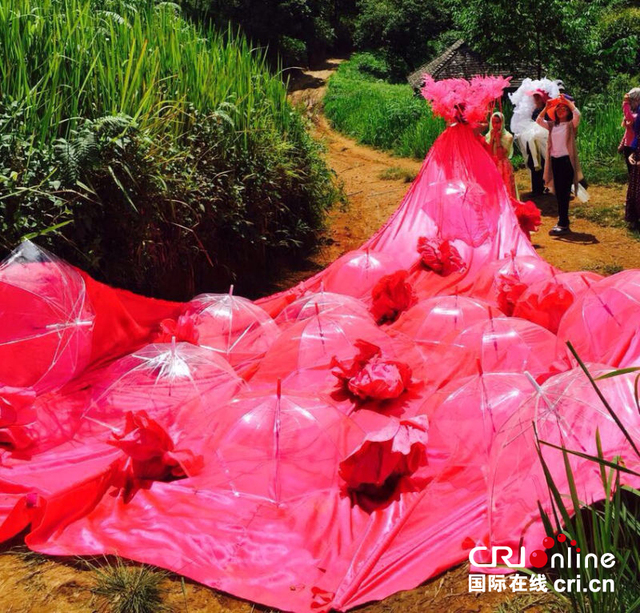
(331, 444)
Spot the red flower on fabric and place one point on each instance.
(391, 296)
(528, 215)
(510, 288)
(397, 450)
(182, 330)
(370, 376)
(547, 307)
(151, 454)
(440, 256)
(15, 412)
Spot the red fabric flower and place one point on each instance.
(391, 296)
(151, 454)
(440, 256)
(370, 376)
(182, 329)
(547, 307)
(397, 450)
(510, 288)
(16, 412)
(528, 215)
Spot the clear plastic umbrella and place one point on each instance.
(357, 272)
(602, 323)
(324, 302)
(304, 353)
(233, 326)
(503, 344)
(279, 445)
(174, 383)
(437, 321)
(47, 320)
(567, 412)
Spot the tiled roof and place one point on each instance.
(460, 61)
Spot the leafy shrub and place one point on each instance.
(160, 157)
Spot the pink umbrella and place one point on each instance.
(601, 324)
(324, 302)
(546, 301)
(231, 325)
(356, 272)
(47, 320)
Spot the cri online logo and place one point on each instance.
(501, 555)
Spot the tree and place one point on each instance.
(406, 31)
(555, 35)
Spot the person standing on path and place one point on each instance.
(563, 168)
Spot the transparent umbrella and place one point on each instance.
(174, 383)
(47, 320)
(567, 412)
(357, 272)
(233, 326)
(323, 302)
(602, 323)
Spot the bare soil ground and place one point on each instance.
(374, 184)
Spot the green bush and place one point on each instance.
(158, 156)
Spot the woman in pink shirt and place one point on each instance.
(564, 169)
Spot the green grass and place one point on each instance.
(376, 113)
(124, 588)
(392, 118)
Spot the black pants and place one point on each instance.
(537, 176)
(562, 182)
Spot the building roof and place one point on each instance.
(460, 61)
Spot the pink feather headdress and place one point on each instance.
(455, 99)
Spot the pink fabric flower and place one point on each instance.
(392, 295)
(440, 256)
(396, 450)
(372, 377)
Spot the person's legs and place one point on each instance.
(562, 181)
(537, 176)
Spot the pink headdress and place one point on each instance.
(455, 99)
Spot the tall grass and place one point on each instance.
(157, 155)
(611, 526)
(377, 113)
(360, 103)
(69, 60)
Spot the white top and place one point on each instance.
(559, 140)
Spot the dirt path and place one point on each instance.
(372, 198)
